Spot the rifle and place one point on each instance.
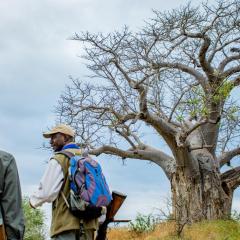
(117, 201)
(2, 229)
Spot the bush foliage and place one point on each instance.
(34, 222)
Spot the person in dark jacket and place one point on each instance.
(11, 197)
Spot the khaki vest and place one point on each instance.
(62, 219)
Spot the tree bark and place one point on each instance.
(199, 196)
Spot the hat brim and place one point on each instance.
(48, 134)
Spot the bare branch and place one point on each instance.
(151, 154)
(130, 81)
(232, 178)
(223, 45)
(207, 68)
(199, 77)
(228, 60)
(236, 82)
(226, 157)
(231, 71)
(179, 99)
(126, 136)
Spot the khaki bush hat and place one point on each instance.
(61, 128)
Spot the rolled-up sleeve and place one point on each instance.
(50, 184)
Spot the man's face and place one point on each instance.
(58, 140)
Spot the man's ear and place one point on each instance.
(66, 138)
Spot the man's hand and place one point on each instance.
(31, 204)
(104, 210)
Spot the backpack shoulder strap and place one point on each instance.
(66, 153)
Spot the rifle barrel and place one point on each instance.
(118, 221)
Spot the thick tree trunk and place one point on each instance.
(200, 195)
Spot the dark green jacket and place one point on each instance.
(10, 197)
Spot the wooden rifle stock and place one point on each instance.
(2, 231)
(117, 201)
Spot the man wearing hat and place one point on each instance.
(11, 213)
(54, 187)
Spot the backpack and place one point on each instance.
(89, 190)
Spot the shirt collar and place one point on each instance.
(71, 145)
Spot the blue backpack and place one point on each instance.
(87, 185)
(88, 181)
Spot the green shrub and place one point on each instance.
(34, 222)
(143, 223)
(235, 215)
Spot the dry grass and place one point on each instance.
(162, 231)
(214, 230)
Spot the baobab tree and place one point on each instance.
(179, 75)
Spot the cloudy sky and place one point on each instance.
(36, 59)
